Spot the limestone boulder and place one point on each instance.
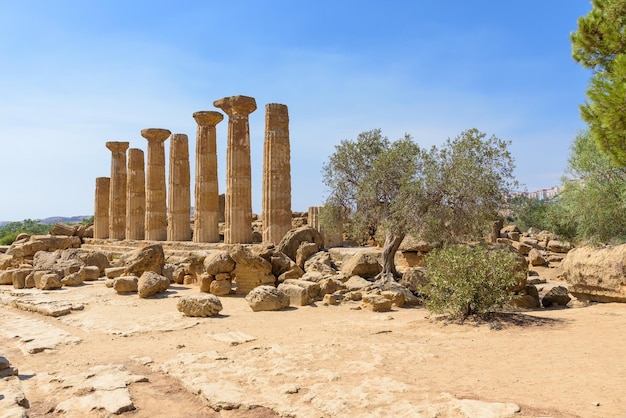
(203, 305)
(312, 288)
(63, 261)
(6, 276)
(376, 303)
(356, 283)
(557, 296)
(47, 280)
(298, 296)
(536, 258)
(396, 296)
(74, 279)
(150, 283)
(363, 263)
(330, 285)
(413, 279)
(556, 246)
(521, 247)
(22, 249)
(149, 258)
(220, 287)
(6, 261)
(304, 251)
(295, 237)
(19, 278)
(320, 262)
(126, 284)
(250, 270)
(596, 274)
(267, 298)
(527, 299)
(91, 273)
(218, 262)
(95, 258)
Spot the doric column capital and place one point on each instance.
(117, 146)
(236, 105)
(208, 117)
(155, 134)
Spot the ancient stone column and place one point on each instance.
(276, 212)
(117, 192)
(135, 195)
(206, 206)
(238, 225)
(179, 197)
(156, 203)
(333, 237)
(101, 208)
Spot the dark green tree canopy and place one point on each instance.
(600, 44)
(600, 37)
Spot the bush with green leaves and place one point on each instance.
(464, 280)
(10, 231)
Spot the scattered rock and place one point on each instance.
(558, 295)
(218, 262)
(596, 274)
(202, 305)
(151, 283)
(294, 238)
(376, 303)
(250, 270)
(298, 296)
(126, 284)
(356, 283)
(363, 263)
(221, 287)
(148, 258)
(535, 258)
(267, 298)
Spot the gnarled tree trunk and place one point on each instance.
(392, 243)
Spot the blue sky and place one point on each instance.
(75, 74)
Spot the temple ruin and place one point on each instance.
(136, 203)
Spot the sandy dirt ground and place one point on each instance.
(311, 361)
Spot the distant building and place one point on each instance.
(542, 194)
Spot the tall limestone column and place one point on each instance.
(101, 208)
(179, 197)
(156, 216)
(136, 195)
(117, 193)
(238, 225)
(206, 206)
(276, 213)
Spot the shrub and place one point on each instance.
(463, 280)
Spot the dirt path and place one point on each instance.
(320, 360)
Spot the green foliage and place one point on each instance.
(530, 212)
(605, 110)
(592, 202)
(463, 280)
(87, 221)
(444, 194)
(600, 44)
(600, 36)
(466, 187)
(29, 226)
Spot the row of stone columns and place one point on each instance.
(132, 203)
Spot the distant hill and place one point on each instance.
(54, 219)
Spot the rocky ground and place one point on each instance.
(115, 354)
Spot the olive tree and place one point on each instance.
(446, 194)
